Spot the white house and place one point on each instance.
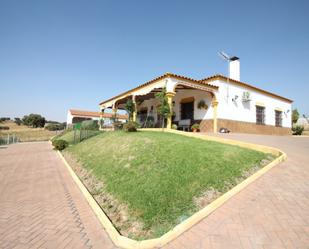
(214, 102)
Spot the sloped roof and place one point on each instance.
(166, 75)
(95, 114)
(219, 76)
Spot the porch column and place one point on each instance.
(101, 119)
(170, 96)
(114, 112)
(214, 104)
(134, 114)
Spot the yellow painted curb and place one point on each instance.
(127, 243)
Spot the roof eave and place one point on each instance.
(166, 75)
(219, 76)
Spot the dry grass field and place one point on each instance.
(25, 133)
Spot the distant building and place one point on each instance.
(77, 116)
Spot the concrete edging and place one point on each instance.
(127, 243)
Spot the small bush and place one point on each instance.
(174, 127)
(4, 128)
(54, 127)
(149, 123)
(60, 144)
(90, 125)
(2, 119)
(18, 121)
(131, 126)
(297, 130)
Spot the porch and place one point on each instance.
(190, 102)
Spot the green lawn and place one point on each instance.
(157, 175)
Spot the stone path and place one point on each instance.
(40, 205)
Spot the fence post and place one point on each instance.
(74, 135)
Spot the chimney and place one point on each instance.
(234, 68)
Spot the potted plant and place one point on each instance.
(202, 105)
(195, 127)
(246, 97)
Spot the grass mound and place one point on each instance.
(160, 178)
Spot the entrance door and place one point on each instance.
(187, 111)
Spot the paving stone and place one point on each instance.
(41, 207)
(272, 212)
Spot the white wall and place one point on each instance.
(147, 104)
(69, 118)
(246, 111)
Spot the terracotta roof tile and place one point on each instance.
(95, 114)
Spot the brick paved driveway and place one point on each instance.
(40, 205)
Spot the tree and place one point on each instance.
(164, 108)
(295, 115)
(130, 108)
(2, 119)
(18, 121)
(34, 120)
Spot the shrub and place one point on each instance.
(130, 108)
(131, 126)
(54, 127)
(118, 125)
(174, 127)
(4, 128)
(297, 130)
(90, 125)
(295, 115)
(18, 121)
(149, 123)
(60, 144)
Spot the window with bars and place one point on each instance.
(260, 115)
(278, 115)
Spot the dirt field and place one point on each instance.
(25, 133)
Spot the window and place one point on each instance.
(278, 115)
(260, 115)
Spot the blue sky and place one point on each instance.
(56, 55)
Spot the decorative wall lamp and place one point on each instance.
(235, 98)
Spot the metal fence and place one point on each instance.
(82, 134)
(8, 139)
